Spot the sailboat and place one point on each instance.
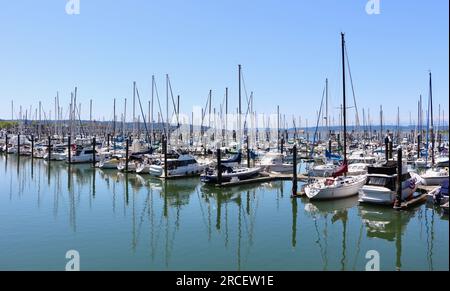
(433, 176)
(337, 186)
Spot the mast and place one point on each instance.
(134, 108)
(240, 108)
(326, 107)
(226, 115)
(114, 118)
(167, 109)
(124, 127)
(431, 119)
(344, 100)
(151, 110)
(90, 113)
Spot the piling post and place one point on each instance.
(391, 149)
(398, 199)
(219, 166)
(18, 145)
(418, 145)
(386, 150)
(49, 148)
(93, 152)
(165, 156)
(69, 149)
(339, 142)
(126, 154)
(107, 140)
(329, 146)
(32, 146)
(294, 172)
(248, 153)
(6, 145)
(282, 145)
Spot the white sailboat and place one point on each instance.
(337, 187)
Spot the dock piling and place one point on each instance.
(418, 145)
(32, 146)
(165, 156)
(391, 149)
(398, 199)
(49, 148)
(248, 153)
(18, 145)
(126, 154)
(294, 172)
(69, 150)
(6, 145)
(93, 151)
(386, 150)
(219, 166)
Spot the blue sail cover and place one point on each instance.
(333, 157)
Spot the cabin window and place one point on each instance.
(381, 181)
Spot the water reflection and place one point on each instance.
(163, 222)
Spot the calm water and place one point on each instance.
(141, 223)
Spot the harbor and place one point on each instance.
(194, 147)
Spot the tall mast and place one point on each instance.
(151, 110)
(124, 127)
(431, 119)
(326, 107)
(134, 108)
(167, 107)
(381, 122)
(344, 100)
(90, 114)
(114, 118)
(240, 108)
(226, 115)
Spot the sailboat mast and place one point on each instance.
(151, 111)
(431, 119)
(240, 108)
(326, 107)
(344, 99)
(226, 115)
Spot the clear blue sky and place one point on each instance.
(287, 49)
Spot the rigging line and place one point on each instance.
(79, 119)
(174, 105)
(159, 106)
(204, 111)
(143, 115)
(351, 83)
(317, 124)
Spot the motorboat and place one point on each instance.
(380, 187)
(82, 155)
(229, 174)
(274, 162)
(110, 163)
(184, 165)
(434, 176)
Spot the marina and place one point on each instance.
(204, 144)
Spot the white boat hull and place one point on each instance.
(335, 191)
